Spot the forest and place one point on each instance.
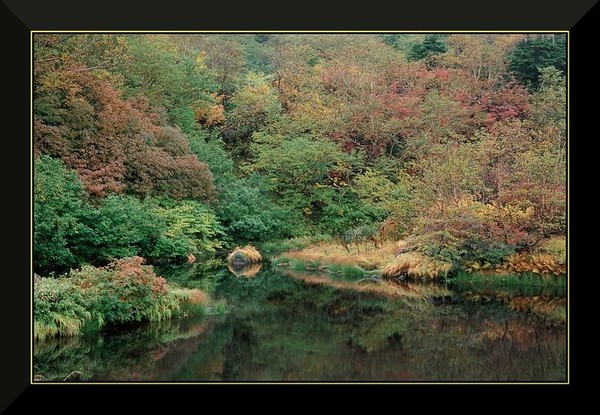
(169, 148)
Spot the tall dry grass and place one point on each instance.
(541, 264)
(190, 300)
(416, 265)
(367, 258)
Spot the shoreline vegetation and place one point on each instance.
(544, 266)
(126, 291)
(123, 292)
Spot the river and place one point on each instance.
(289, 326)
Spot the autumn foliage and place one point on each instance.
(124, 291)
(117, 145)
(456, 142)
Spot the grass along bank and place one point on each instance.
(545, 266)
(332, 257)
(360, 261)
(124, 291)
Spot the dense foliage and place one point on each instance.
(169, 145)
(124, 291)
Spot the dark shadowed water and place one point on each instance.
(289, 326)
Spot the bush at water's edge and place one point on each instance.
(124, 291)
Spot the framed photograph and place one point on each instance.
(299, 205)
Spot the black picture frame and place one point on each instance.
(20, 17)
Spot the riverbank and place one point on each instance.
(123, 292)
(392, 260)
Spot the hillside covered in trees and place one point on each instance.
(164, 146)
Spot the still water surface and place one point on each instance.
(291, 326)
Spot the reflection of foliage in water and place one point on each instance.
(206, 362)
(346, 328)
(547, 308)
(388, 288)
(283, 328)
(202, 274)
(548, 303)
(527, 285)
(126, 355)
(523, 290)
(473, 342)
(56, 358)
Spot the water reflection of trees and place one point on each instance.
(386, 288)
(153, 351)
(310, 327)
(541, 307)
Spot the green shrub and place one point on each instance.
(487, 251)
(69, 231)
(122, 226)
(190, 228)
(60, 309)
(247, 213)
(244, 208)
(124, 291)
(350, 272)
(58, 203)
(292, 244)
